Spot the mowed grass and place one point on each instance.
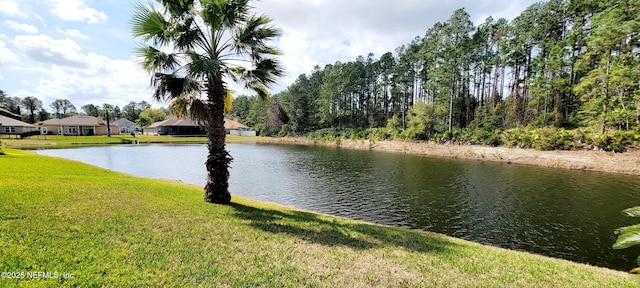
(109, 229)
(71, 141)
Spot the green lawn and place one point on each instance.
(71, 141)
(109, 229)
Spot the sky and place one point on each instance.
(81, 50)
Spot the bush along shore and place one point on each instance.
(67, 223)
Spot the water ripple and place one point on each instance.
(560, 213)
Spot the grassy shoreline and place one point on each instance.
(55, 141)
(110, 229)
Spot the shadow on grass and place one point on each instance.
(333, 232)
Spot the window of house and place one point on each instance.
(10, 129)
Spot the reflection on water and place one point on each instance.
(559, 213)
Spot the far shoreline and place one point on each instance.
(600, 161)
(586, 160)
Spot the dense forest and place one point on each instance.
(562, 75)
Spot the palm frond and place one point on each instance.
(236, 12)
(260, 89)
(179, 107)
(149, 24)
(224, 14)
(178, 9)
(190, 105)
(632, 212)
(170, 86)
(209, 38)
(188, 36)
(246, 76)
(211, 13)
(153, 59)
(260, 78)
(200, 65)
(228, 101)
(254, 35)
(269, 70)
(198, 112)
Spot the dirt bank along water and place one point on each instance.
(624, 163)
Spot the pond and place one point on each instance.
(559, 213)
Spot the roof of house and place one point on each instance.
(233, 125)
(7, 121)
(124, 122)
(188, 122)
(5, 111)
(77, 120)
(176, 122)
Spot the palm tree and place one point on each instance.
(209, 41)
(106, 108)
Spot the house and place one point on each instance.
(175, 126)
(186, 126)
(236, 128)
(5, 112)
(78, 125)
(12, 126)
(126, 126)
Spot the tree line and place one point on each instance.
(32, 110)
(559, 66)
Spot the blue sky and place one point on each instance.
(81, 49)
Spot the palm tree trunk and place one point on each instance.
(108, 124)
(216, 190)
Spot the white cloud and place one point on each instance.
(106, 80)
(63, 64)
(40, 19)
(73, 33)
(19, 27)
(7, 55)
(43, 48)
(11, 8)
(77, 10)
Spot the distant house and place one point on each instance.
(5, 112)
(78, 125)
(12, 126)
(186, 126)
(236, 128)
(125, 125)
(175, 126)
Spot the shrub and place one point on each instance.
(616, 141)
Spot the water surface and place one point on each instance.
(560, 213)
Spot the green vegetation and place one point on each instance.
(546, 138)
(630, 235)
(109, 229)
(561, 75)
